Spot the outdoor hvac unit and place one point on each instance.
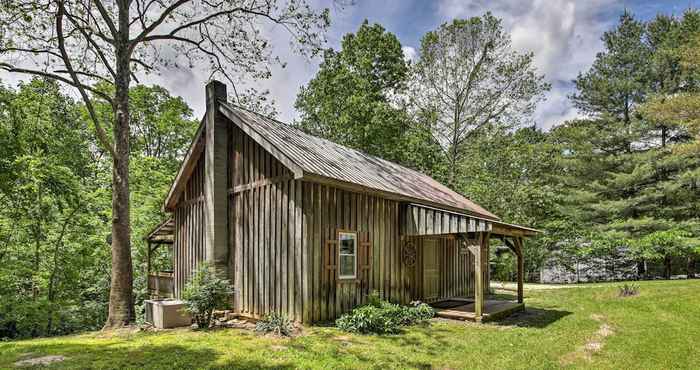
(164, 314)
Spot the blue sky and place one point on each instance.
(564, 36)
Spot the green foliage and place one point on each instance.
(55, 191)
(354, 100)
(204, 293)
(52, 251)
(275, 323)
(630, 173)
(457, 85)
(382, 317)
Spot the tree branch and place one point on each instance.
(101, 134)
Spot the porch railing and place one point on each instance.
(160, 284)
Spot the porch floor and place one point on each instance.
(493, 310)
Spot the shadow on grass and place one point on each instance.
(141, 356)
(532, 317)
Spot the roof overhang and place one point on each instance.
(163, 233)
(422, 220)
(186, 167)
(506, 229)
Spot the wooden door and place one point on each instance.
(431, 269)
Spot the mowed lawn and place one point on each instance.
(580, 327)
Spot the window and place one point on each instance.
(347, 255)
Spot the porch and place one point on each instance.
(160, 282)
(473, 235)
(465, 310)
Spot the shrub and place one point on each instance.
(422, 312)
(628, 290)
(382, 317)
(204, 293)
(275, 323)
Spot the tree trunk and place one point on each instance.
(641, 269)
(667, 267)
(691, 267)
(121, 305)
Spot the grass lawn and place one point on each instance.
(588, 327)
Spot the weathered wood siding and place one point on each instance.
(189, 246)
(282, 238)
(456, 270)
(326, 210)
(266, 235)
(422, 220)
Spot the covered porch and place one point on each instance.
(160, 281)
(473, 236)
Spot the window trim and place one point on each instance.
(355, 236)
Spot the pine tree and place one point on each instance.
(629, 182)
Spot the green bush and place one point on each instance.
(628, 290)
(275, 323)
(204, 293)
(382, 317)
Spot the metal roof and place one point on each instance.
(163, 233)
(323, 158)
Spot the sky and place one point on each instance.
(564, 36)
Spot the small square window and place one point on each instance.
(347, 255)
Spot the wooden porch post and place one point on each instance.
(521, 267)
(480, 265)
(148, 268)
(148, 259)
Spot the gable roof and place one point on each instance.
(320, 160)
(317, 157)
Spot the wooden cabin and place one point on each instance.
(308, 228)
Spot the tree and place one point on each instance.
(86, 42)
(52, 200)
(619, 76)
(355, 98)
(626, 174)
(468, 77)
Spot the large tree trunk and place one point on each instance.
(121, 305)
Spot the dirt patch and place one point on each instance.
(278, 348)
(40, 361)
(605, 330)
(593, 345)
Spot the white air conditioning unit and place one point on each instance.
(168, 313)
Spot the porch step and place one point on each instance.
(493, 310)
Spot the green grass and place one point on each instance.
(659, 329)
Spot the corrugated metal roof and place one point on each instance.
(325, 158)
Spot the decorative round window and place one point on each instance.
(409, 254)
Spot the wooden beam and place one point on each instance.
(259, 183)
(521, 268)
(480, 264)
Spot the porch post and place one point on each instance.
(480, 266)
(148, 268)
(521, 267)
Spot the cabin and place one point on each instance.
(308, 228)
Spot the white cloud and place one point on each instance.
(564, 36)
(409, 53)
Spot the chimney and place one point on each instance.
(215, 180)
